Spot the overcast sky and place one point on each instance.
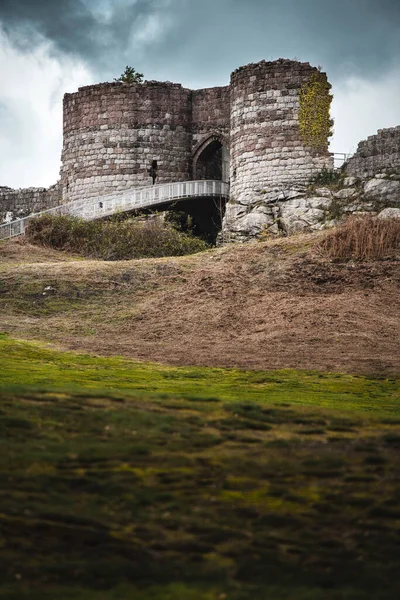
(49, 47)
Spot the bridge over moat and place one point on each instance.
(152, 196)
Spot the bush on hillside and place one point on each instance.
(363, 238)
(111, 240)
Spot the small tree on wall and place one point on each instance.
(130, 75)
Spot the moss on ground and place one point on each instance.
(126, 480)
(26, 363)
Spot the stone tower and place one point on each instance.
(269, 159)
(119, 136)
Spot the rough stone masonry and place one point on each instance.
(16, 204)
(116, 136)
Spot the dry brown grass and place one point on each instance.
(257, 306)
(363, 238)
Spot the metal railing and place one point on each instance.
(135, 199)
(339, 158)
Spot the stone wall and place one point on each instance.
(267, 155)
(378, 154)
(210, 113)
(114, 132)
(15, 204)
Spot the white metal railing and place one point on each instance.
(339, 158)
(135, 199)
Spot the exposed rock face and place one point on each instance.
(345, 194)
(276, 216)
(383, 189)
(302, 214)
(369, 183)
(318, 208)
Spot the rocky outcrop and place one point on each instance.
(383, 188)
(390, 213)
(282, 214)
(369, 182)
(312, 209)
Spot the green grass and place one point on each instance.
(24, 363)
(123, 480)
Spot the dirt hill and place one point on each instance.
(258, 306)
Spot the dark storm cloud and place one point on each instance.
(76, 27)
(204, 38)
(348, 36)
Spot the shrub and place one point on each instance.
(111, 240)
(327, 177)
(363, 238)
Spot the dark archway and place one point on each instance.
(202, 219)
(211, 159)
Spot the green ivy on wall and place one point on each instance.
(314, 114)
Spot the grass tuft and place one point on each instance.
(363, 238)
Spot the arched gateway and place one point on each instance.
(211, 158)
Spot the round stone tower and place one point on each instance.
(268, 154)
(119, 136)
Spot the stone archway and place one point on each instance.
(211, 158)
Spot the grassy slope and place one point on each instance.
(260, 306)
(130, 480)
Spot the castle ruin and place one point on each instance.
(116, 135)
(119, 136)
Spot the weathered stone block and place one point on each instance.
(390, 213)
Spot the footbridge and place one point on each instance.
(152, 196)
